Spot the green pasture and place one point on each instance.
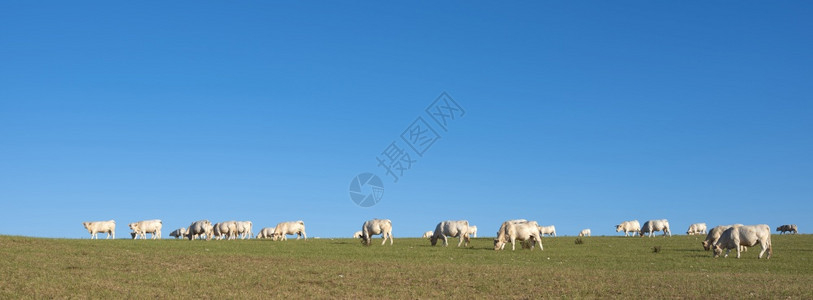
(599, 267)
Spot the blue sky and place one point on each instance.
(580, 115)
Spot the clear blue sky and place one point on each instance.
(580, 115)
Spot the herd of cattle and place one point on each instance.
(200, 229)
(719, 238)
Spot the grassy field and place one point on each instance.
(601, 267)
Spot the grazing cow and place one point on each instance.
(584, 232)
(696, 228)
(714, 235)
(358, 234)
(226, 229)
(428, 234)
(142, 228)
(244, 229)
(95, 227)
(266, 233)
(517, 221)
(286, 228)
(515, 230)
(787, 228)
(746, 235)
(629, 226)
(549, 230)
(472, 231)
(199, 228)
(178, 233)
(452, 229)
(655, 225)
(374, 227)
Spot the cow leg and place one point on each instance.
(513, 245)
(737, 242)
(464, 237)
(539, 241)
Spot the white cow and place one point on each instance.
(375, 227)
(95, 227)
(142, 228)
(266, 233)
(227, 229)
(629, 226)
(787, 228)
(516, 230)
(517, 221)
(428, 234)
(199, 228)
(358, 234)
(746, 235)
(584, 232)
(714, 235)
(696, 228)
(549, 230)
(452, 229)
(655, 225)
(472, 231)
(293, 227)
(178, 233)
(244, 229)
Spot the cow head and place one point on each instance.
(133, 235)
(433, 239)
(87, 225)
(706, 245)
(617, 228)
(717, 250)
(498, 243)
